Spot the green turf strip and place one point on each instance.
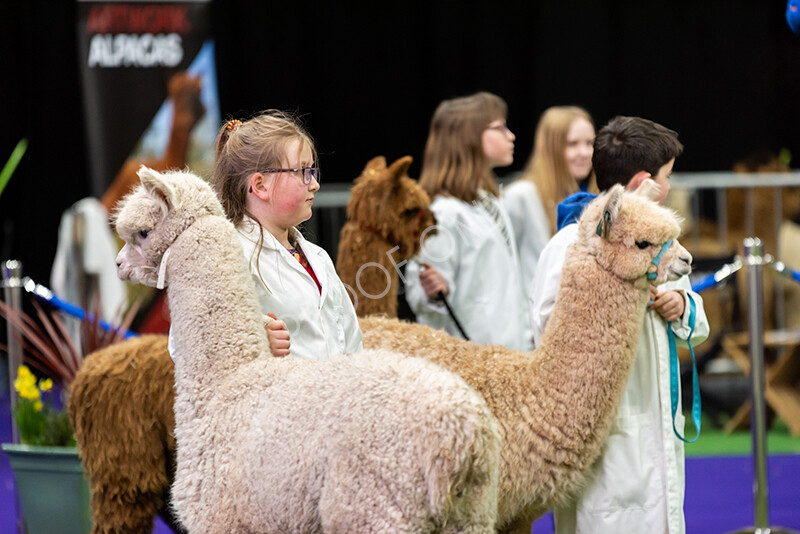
(713, 442)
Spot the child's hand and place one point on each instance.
(668, 304)
(432, 281)
(278, 336)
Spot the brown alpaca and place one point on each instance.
(120, 405)
(387, 215)
(556, 405)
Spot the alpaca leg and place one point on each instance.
(112, 513)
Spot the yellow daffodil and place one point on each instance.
(27, 390)
(37, 421)
(24, 373)
(46, 384)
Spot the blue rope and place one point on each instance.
(46, 295)
(791, 273)
(705, 283)
(717, 277)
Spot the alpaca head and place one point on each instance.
(154, 215)
(386, 201)
(626, 231)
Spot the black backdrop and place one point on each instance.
(367, 76)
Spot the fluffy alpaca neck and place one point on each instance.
(585, 357)
(216, 321)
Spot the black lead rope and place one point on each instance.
(440, 296)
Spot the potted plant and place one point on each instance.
(50, 483)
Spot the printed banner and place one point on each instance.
(149, 87)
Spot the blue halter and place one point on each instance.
(652, 276)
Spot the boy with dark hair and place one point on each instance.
(638, 483)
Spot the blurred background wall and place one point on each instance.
(367, 77)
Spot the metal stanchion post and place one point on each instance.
(12, 296)
(754, 259)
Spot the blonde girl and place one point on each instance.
(560, 164)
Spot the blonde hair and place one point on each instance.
(547, 166)
(245, 147)
(454, 162)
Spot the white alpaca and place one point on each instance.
(555, 405)
(373, 442)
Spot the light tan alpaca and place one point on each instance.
(371, 442)
(555, 405)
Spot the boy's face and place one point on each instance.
(662, 179)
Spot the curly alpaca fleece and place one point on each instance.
(556, 405)
(371, 442)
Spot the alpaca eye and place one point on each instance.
(412, 212)
(643, 244)
(143, 233)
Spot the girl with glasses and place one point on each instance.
(470, 263)
(266, 175)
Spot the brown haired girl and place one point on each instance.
(471, 260)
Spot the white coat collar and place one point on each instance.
(251, 230)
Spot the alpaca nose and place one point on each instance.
(122, 251)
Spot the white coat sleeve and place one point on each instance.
(441, 251)
(352, 331)
(530, 224)
(682, 327)
(544, 287)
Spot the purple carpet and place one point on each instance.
(719, 492)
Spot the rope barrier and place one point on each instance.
(783, 270)
(719, 276)
(46, 295)
(728, 269)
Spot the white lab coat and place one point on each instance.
(638, 483)
(320, 325)
(482, 273)
(92, 253)
(531, 226)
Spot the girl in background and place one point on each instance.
(471, 260)
(266, 175)
(561, 164)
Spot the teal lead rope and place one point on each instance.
(674, 375)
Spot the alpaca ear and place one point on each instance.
(648, 189)
(377, 163)
(399, 169)
(610, 211)
(155, 184)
